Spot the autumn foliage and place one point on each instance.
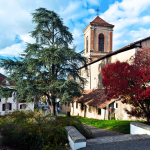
(130, 82)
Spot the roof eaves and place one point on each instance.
(106, 25)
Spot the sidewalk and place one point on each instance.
(110, 140)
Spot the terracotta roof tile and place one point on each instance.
(95, 98)
(100, 21)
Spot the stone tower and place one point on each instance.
(98, 36)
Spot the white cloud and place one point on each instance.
(2, 71)
(13, 50)
(128, 11)
(27, 38)
(141, 33)
(77, 33)
(91, 11)
(125, 14)
(17, 20)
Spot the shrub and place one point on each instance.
(37, 131)
(71, 121)
(32, 131)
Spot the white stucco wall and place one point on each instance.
(123, 56)
(93, 114)
(29, 106)
(9, 100)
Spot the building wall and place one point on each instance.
(29, 106)
(92, 114)
(106, 31)
(66, 108)
(87, 33)
(9, 100)
(14, 106)
(95, 69)
(95, 82)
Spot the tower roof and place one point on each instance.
(100, 21)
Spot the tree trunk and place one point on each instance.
(54, 111)
(148, 117)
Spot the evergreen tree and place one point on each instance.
(44, 66)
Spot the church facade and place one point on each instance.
(98, 38)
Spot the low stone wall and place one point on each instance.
(139, 128)
(75, 138)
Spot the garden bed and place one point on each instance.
(36, 131)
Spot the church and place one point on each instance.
(98, 43)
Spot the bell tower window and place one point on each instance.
(87, 44)
(101, 42)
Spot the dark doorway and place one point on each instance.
(84, 110)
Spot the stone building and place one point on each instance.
(98, 37)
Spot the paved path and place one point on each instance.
(109, 140)
(141, 144)
(98, 132)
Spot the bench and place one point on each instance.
(75, 138)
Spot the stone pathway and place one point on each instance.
(98, 132)
(109, 140)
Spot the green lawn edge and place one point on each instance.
(121, 126)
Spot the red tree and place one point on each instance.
(130, 82)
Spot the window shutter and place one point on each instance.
(10, 106)
(3, 107)
(21, 106)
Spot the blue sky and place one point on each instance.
(130, 17)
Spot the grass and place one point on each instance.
(122, 126)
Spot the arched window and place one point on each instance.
(87, 44)
(101, 42)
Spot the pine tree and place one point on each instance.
(44, 66)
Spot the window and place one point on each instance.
(10, 95)
(7, 83)
(6, 106)
(101, 42)
(90, 109)
(99, 111)
(22, 106)
(87, 44)
(76, 104)
(116, 105)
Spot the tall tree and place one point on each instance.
(130, 82)
(45, 65)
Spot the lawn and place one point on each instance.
(122, 126)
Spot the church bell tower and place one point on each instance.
(98, 37)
